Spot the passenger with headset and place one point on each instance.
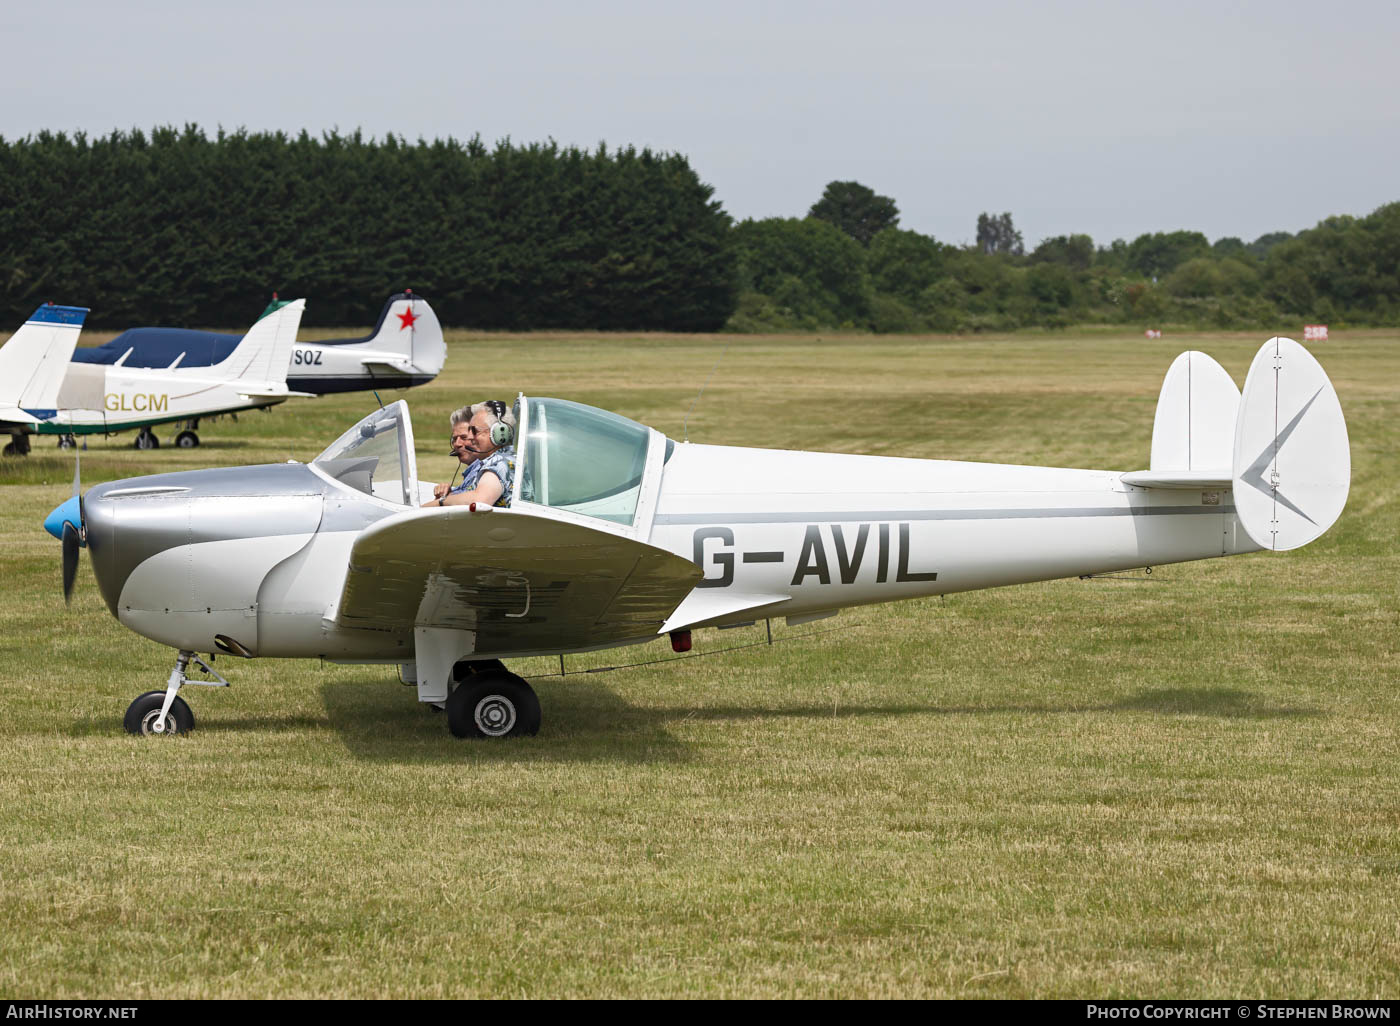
(483, 436)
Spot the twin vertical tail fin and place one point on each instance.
(1280, 445)
(1194, 430)
(1292, 457)
(35, 359)
(262, 357)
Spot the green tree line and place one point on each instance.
(179, 228)
(828, 270)
(176, 227)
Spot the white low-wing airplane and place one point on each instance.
(44, 393)
(615, 534)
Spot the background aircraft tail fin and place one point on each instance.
(35, 359)
(409, 329)
(1292, 458)
(265, 352)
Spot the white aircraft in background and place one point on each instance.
(107, 398)
(615, 535)
(405, 348)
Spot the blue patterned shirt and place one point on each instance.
(501, 463)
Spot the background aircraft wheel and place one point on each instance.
(67, 442)
(186, 439)
(141, 715)
(146, 440)
(493, 704)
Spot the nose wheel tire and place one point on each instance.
(141, 716)
(493, 704)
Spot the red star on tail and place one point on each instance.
(408, 317)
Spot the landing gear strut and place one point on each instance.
(164, 712)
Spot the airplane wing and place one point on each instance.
(519, 581)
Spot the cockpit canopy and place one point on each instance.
(582, 459)
(569, 457)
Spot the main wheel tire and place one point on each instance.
(186, 440)
(493, 704)
(67, 442)
(10, 449)
(146, 440)
(142, 714)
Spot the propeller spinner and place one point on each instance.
(66, 523)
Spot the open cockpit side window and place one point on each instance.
(376, 456)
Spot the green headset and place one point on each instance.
(502, 434)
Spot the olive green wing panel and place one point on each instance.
(518, 581)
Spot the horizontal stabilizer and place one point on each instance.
(387, 367)
(1180, 479)
(1292, 457)
(34, 360)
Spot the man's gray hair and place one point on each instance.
(495, 411)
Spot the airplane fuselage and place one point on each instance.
(772, 536)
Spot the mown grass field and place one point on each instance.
(1188, 786)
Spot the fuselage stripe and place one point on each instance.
(877, 516)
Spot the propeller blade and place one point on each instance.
(70, 560)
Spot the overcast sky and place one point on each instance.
(1107, 118)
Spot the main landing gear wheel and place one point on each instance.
(493, 704)
(67, 442)
(141, 715)
(146, 440)
(186, 440)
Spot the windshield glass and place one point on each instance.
(372, 457)
(584, 460)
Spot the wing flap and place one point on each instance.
(519, 582)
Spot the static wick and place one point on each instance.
(685, 424)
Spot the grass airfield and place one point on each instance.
(1183, 786)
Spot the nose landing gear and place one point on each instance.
(158, 713)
